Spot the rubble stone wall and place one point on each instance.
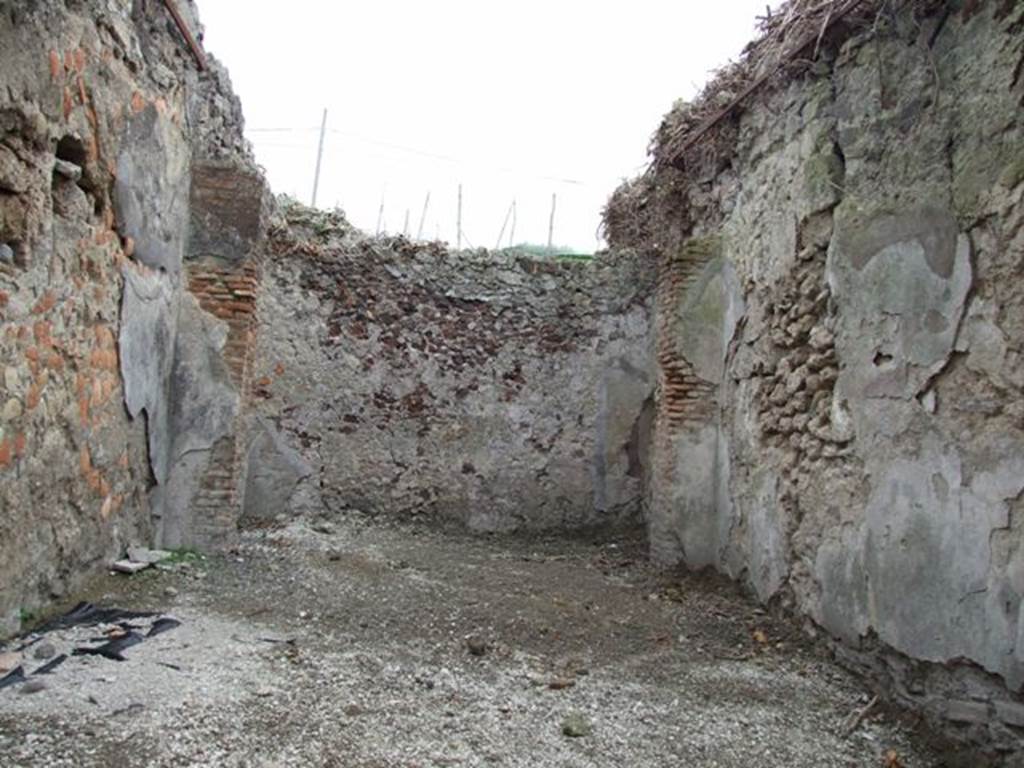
(495, 390)
(847, 292)
(110, 371)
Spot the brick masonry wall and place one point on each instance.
(228, 292)
(685, 399)
(692, 310)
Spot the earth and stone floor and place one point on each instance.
(361, 643)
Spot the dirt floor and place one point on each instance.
(380, 644)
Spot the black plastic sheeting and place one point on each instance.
(15, 676)
(112, 648)
(162, 625)
(88, 615)
(51, 665)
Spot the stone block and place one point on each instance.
(147, 556)
(1011, 713)
(968, 711)
(128, 566)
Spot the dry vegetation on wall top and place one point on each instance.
(696, 139)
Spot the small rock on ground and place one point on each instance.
(477, 646)
(44, 651)
(576, 725)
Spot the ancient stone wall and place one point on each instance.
(844, 293)
(826, 403)
(112, 389)
(487, 388)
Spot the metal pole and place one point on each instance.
(319, 157)
(504, 224)
(423, 217)
(380, 213)
(459, 222)
(405, 227)
(551, 221)
(512, 234)
(197, 52)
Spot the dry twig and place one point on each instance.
(858, 717)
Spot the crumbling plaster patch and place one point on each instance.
(149, 309)
(151, 190)
(929, 531)
(204, 404)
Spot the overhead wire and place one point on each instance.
(275, 133)
(610, 183)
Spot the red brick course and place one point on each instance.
(227, 291)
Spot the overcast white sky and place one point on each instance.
(513, 101)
